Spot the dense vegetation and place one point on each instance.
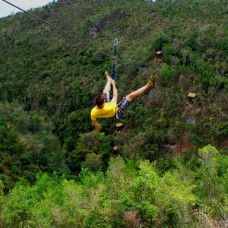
(168, 167)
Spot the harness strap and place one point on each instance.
(115, 42)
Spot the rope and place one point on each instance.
(115, 42)
(92, 21)
(51, 25)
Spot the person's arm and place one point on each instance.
(96, 125)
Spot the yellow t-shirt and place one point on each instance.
(109, 110)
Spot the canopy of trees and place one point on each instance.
(166, 168)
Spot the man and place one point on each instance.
(107, 108)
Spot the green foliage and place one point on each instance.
(27, 146)
(101, 200)
(61, 78)
(92, 149)
(48, 85)
(1, 190)
(125, 194)
(212, 186)
(167, 75)
(168, 51)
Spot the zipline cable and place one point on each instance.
(57, 28)
(115, 43)
(92, 21)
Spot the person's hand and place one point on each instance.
(98, 127)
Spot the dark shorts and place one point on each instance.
(121, 106)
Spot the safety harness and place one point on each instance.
(114, 59)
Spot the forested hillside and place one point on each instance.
(168, 166)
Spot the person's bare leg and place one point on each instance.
(107, 87)
(115, 94)
(141, 90)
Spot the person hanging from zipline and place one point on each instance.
(107, 107)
